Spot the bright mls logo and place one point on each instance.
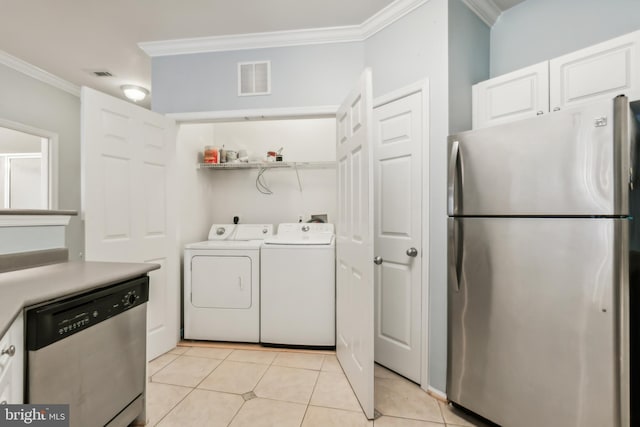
(34, 415)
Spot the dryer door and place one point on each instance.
(221, 282)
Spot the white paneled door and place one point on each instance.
(397, 153)
(129, 201)
(354, 242)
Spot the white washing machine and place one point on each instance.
(298, 286)
(222, 284)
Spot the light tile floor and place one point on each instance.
(238, 386)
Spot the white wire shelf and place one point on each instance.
(269, 165)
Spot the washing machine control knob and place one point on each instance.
(265, 230)
(220, 231)
(305, 228)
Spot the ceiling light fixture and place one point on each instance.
(134, 93)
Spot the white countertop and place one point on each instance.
(22, 288)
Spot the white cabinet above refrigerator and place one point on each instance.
(601, 71)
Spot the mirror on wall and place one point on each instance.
(26, 167)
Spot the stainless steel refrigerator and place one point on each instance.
(542, 257)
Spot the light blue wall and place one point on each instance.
(538, 30)
(37, 104)
(301, 76)
(469, 40)
(25, 239)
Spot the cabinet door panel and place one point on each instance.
(12, 366)
(517, 95)
(601, 71)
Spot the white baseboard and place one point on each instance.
(440, 395)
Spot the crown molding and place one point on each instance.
(251, 41)
(388, 16)
(344, 34)
(38, 73)
(485, 9)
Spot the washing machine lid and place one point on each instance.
(226, 245)
(306, 239)
(298, 233)
(302, 228)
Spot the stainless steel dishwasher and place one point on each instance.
(89, 351)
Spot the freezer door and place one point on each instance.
(568, 163)
(533, 315)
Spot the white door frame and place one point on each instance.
(423, 87)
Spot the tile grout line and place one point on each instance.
(192, 388)
(441, 413)
(252, 390)
(211, 372)
(174, 406)
(315, 384)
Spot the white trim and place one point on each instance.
(344, 34)
(388, 16)
(437, 393)
(38, 73)
(251, 41)
(485, 9)
(52, 154)
(267, 113)
(33, 220)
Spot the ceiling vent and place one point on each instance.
(254, 78)
(102, 74)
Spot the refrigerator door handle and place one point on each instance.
(451, 184)
(455, 252)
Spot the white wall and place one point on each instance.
(216, 196)
(195, 186)
(538, 30)
(33, 103)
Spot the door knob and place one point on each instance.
(377, 260)
(412, 252)
(10, 351)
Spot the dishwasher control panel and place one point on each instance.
(54, 321)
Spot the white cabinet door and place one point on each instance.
(516, 95)
(12, 363)
(605, 70)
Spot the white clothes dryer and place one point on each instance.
(222, 284)
(298, 286)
